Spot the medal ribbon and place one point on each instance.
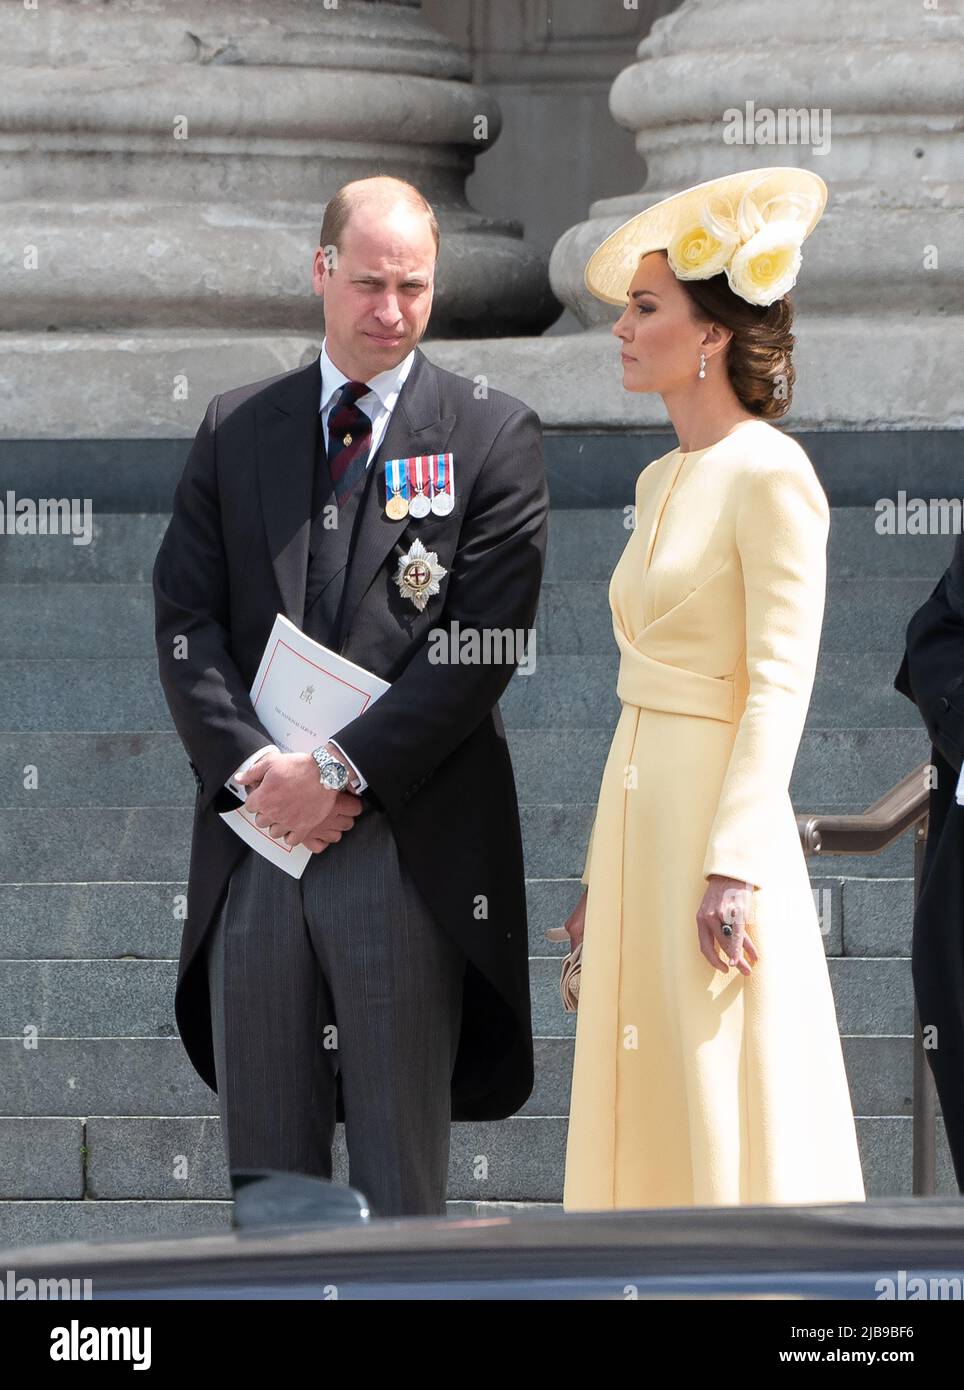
(440, 482)
(396, 479)
(419, 488)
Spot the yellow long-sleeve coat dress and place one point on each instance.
(691, 1087)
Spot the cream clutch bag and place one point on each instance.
(571, 970)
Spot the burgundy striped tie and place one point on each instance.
(349, 440)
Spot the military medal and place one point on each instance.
(397, 505)
(420, 504)
(443, 481)
(418, 574)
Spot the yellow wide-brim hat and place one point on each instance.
(750, 225)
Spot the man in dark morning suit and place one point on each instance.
(932, 675)
(389, 985)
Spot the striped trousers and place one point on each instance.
(343, 970)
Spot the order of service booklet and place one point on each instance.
(303, 693)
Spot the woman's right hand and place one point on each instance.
(576, 921)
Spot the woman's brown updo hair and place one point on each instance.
(759, 355)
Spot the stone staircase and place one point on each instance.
(104, 1127)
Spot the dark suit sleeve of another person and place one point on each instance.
(431, 707)
(932, 671)
(206, 694)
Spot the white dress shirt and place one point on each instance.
(959, 796)
(378, 404)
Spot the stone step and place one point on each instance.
(71, 845)
(850, 691)
(864, 917)
(131, 1187)
(587, 543)
(28, 1223)
(873, 996)
(51, 1076)
(117, 620)
(134, 998)
(846, 766)
(885, 1150)
(124, 693)
(121, 551)
(551, 766)
(584, 543)
(861, 615)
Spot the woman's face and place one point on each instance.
(660, 339)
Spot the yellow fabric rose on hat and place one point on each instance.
(696, 254)
(766, 267)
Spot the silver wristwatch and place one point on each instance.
(332, 771)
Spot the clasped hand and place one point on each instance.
(288, 800)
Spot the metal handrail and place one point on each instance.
(903, 806)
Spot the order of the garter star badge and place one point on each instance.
(418, 574)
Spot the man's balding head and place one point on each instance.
(379, 196)
(375, 270)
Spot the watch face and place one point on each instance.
(335, 776)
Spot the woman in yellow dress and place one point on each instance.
(708, 1066)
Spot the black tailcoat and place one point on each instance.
(433, 748)
(932, 675)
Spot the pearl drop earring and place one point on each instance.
(702, 365)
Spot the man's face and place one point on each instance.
(378, 295)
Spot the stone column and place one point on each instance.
(873, 89)
(165, 166)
